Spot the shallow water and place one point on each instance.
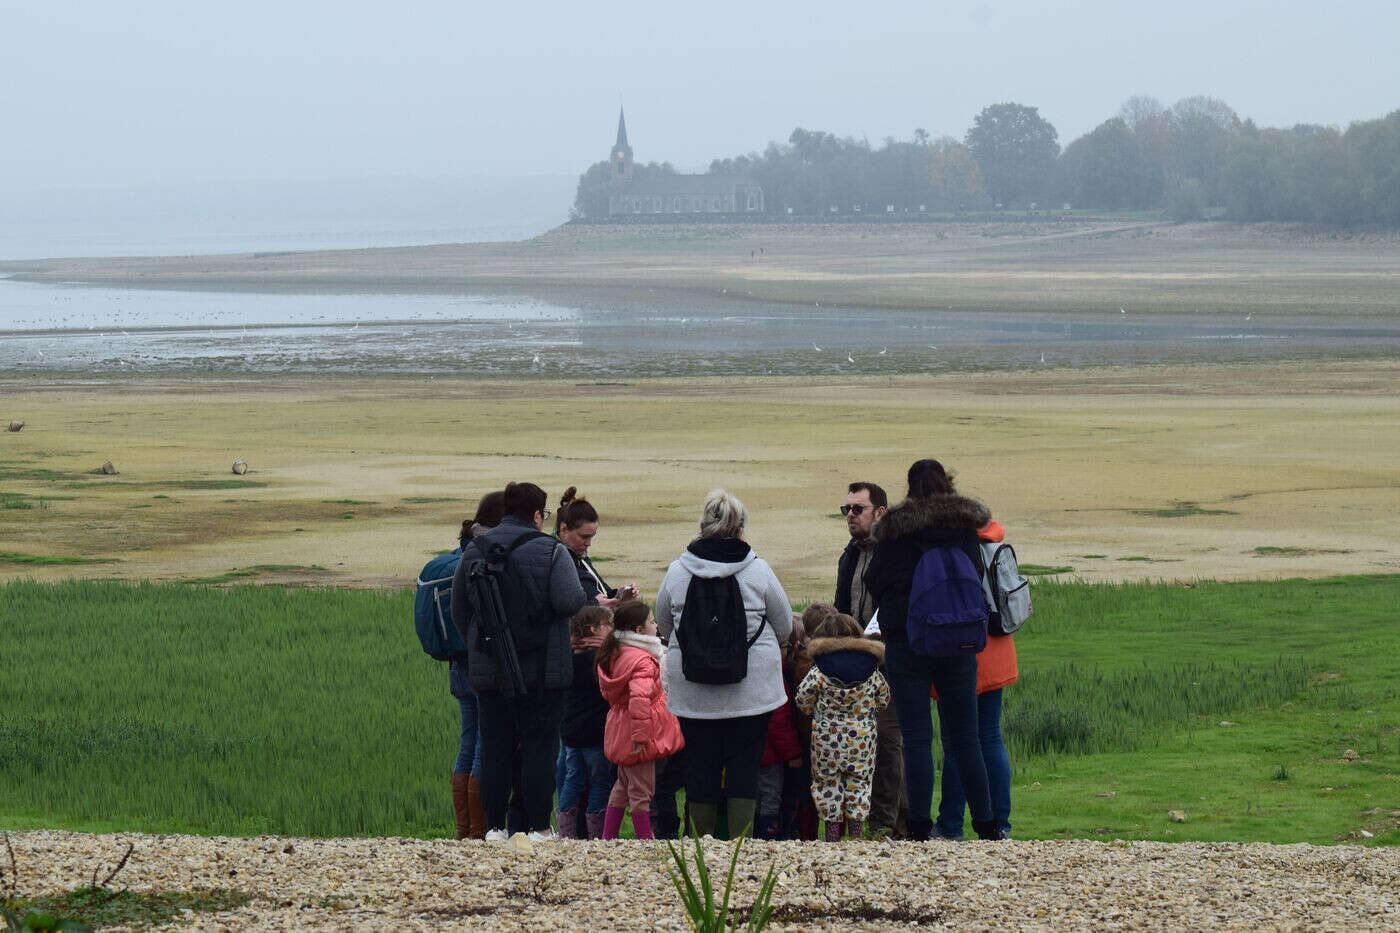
(78, 329)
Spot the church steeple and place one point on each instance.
(621, 157)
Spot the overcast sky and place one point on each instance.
(102, 93)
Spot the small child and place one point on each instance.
(843, 691)
(640, 729)
(585, 713)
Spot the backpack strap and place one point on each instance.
(762, 621)
(501, 555)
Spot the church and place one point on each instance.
(675, 194)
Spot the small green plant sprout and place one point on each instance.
(697, 892)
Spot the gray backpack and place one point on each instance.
(1008, 593)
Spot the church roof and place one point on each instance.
(621, 130)
(687, 184)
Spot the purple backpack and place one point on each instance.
(947, 605)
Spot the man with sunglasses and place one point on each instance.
(865, 505)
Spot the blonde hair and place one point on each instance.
(723, 516)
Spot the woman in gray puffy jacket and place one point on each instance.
(725, 725)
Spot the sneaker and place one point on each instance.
(542, 835)
(497, 835)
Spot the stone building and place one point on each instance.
(675, 194)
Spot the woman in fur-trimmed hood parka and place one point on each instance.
(843, 692)
(933, 515)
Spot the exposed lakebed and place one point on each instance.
(74, 329)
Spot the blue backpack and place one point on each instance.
(947, 605)
(432, 609)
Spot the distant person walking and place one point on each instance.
(466, 772)
(932, 515)
(866, 504)
(541, 591)
(725, 615)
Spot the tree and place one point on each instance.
(1201, 131)
(596, 184)
(1015, 148)
(955, 181)
(1104, 168)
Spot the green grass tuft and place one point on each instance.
(1041, 570)
(48, 560)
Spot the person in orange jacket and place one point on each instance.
(640, 730)
(996, 668)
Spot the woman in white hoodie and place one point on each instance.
(725, 723)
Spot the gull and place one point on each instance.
(537, 359)
(931, 346)
(848, 358)
(884, 350)
(1249, 317)
(125, 334)
(1042, 357)
(817, 348)
(1122, 310)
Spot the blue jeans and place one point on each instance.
(591, 764)
(469, 746)
(911, 676)
(953, 801)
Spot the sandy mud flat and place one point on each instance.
(404, 884)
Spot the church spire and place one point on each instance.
(621, 130)
(621, 157)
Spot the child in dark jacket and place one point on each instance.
(782, 754)
(843, 692)
(585, 714)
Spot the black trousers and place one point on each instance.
(529, 724)
(722, 757)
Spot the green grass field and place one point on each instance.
(246, 710)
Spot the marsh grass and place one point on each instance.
(1041, 570)
(258, 570)
(1274, 551)
(1180, 510)
(51, 560)
(313, 711)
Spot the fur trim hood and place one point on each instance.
(820, 646)
(949, 512)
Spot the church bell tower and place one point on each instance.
(621, 152)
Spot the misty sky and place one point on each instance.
(101, 93)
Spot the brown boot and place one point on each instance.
(459, 805)
(474, 807)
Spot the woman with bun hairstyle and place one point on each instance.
(931, 515)
(575, 525)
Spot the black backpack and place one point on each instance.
(508, 618)
(713, 632)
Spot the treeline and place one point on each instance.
(1194, 159)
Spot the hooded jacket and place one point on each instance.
(845, 685)
(639, 727)
(762, 690)
(903, 535)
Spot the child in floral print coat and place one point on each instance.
(843, 692)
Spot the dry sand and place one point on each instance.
(403, 884)
(1032, 265)
(1155, 472)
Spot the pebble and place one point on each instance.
(439, 884)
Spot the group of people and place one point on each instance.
(786, 722)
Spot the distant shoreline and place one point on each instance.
(1035, 264)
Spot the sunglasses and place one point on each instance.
(855, 510)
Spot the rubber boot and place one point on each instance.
(475, 810)
(641, 824)
(566, 823)
(855, 829)
(919, 830)
(595, 819)
(988, 829)
(612, 822)
(740, 810)
(702, 818)
(834, 829)
(459, 804)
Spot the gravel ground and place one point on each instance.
(410, 884)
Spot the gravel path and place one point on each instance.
(410, 884)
